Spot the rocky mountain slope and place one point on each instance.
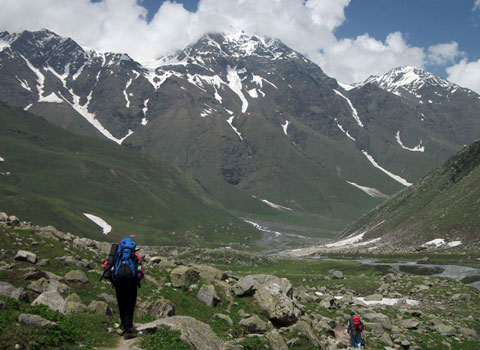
(261, 127)
(439, 211)
(52, 176)
(51, 298)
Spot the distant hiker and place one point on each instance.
(355, 328)
(124, 269)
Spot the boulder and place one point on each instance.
(159, 308)
(23, 255)
(100, 308)
(109, 299)
(3, 217)
(183, 276)
(11, 291)
(208, 295)
(445, 330)
(276, 341)
(36, 321)
(76, 276)
(225, 318)
(13, 221)
(249, 284)
(52, 232)
(469, 334)
(72, 307)
(304, 327)
(461, 297)
(53, 300)
(254, 324)
(409, 323)
(196, 334)
(385, 338)
(210, 273)
(281, 309)
(379, 318)
(337, 275)
(4, 306)
(43, 285)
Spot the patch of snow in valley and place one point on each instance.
(206, 112)
(347, 241)
(393, 176)
(144, 121)
(125, 93)
(100, 222)
(2, 159)
(261, 228)
(276, 206)
(386, 301)
(372, 192)
(40, 78)
(285, 127)
(354, 111)
(77, 74)
(345, 131)
(418, 148)
(235, 83)
(230, 122)
(438, 242)
(28, 107)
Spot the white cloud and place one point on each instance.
(305, 25)
(466, 74)
(442, 54)
(476, 5)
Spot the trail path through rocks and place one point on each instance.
(124, 344)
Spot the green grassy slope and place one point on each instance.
(55, 176)
(444, 204)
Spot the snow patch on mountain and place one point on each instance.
(40, 78)
(393, 176)
(259, 81)
(230, 122)
(145, 110)
(24, 84)
(2, 159)
(345, 131)
(354, 111)
(235, 84)
(100, 222)
(372, 192)
(418, 148)
(253, 93)
(346, 87)
(276, 206)
(53, 98)
(129, 82)
(285, 127)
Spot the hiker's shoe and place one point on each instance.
(130, 334)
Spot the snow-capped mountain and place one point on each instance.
(260, 126)
(409, 81)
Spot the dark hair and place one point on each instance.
(352, 313)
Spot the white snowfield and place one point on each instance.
(438, 242)
(372, 192)
(285, 127)
(386, 301)
(354, 111)
(235, 83)
(393, 176)
(100, 222)
(230, 122)
(276, 206)
(2, 159)
(418, 148)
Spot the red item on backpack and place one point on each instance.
(357, 324)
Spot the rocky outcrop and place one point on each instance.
(249, 284)
(11, 291)
(23, 255)
(36, 321)
(208, 295)
(76, 276)
(43, 285)
(280, 308)
(184, 276)
(254, 324)
(195, 333)
(53, 300)
(159, 308)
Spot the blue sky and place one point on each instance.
(349, 39)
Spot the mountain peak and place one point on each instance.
(409, 80)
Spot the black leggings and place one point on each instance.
(126, 298)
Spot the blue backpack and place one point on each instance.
(126, 261)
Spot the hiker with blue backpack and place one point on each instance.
(124, 269)
(355, 328)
